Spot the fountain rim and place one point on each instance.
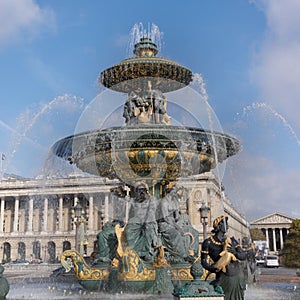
(151, 59)
(129, 68)
(154, 127)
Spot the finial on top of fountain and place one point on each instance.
(145, 48)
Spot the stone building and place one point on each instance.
(275, 227)
(37, 217)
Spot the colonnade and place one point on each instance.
(51, 213)
(275, 237)
(35, 219)
(275, 227)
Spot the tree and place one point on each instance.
(257, 235)
(291, 250)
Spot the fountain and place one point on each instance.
(148, 247)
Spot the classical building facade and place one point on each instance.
(38, 222)
(275, 227)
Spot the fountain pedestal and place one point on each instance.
(198, 289)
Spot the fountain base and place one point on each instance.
(132, 275)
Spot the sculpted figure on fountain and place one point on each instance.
(249, 265)
(177, 234)
(149, 106)
(226, 254)
(141, 230)
(149, 226)
(107, 243)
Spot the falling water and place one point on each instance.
(28, 119)
(258, 105)
(139, 31)
(199, 83)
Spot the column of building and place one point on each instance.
(281, 238)
(60, 213)
(30, 215)
(2, 214)
(275, 248)
(45, 215)
(16, 215)
(274, 239)
(267, 238)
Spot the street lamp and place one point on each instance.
(80, 228)
(204, 216)
(78, 212)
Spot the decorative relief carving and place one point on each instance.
(275, 219)
(198, 195)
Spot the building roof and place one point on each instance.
(274, 218)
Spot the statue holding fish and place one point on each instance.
(222, 255)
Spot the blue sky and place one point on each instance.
(248, 52)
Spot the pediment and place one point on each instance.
(275, 218)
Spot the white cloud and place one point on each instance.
(266, 187)
(276, 68)
(257, 186)
(24, 16)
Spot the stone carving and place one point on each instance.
(146, 107)
(274, 219)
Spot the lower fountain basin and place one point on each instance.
(155, 152)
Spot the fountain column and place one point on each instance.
(2, 214)
(91, 214)
(60, 213)
(16, 214)
(45, 214)
(30, 215)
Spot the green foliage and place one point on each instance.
(257, 235)
(291, 250)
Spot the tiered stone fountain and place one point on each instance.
(147, 156)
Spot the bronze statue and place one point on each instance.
(249, 265)
(178, 236)
(225, 254)
(141, 230)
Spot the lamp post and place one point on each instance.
(80, 222)
(78, 212)
(204, 216)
